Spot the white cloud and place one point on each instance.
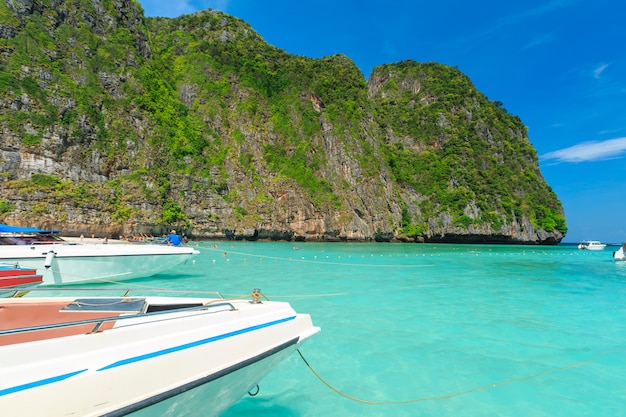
(540, 40)
(598, 71)
(589, 151)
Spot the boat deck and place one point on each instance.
(39, 321)
(24, 320)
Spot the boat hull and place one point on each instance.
(171, 365)
(224, 389)
(72, 264)
(13, 278)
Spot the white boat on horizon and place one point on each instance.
(591, 245)
(147, 355)
(62, 262)
(620, 254)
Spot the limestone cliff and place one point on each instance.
(113, 123)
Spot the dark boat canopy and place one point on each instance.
(4, 228)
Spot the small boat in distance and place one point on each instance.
(620, 254)
(17, 279)
(63, 262)
(591, 245)
(157, 355)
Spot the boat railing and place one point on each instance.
(126, 292)
(12, 292)
(100, 321)
(15, 265)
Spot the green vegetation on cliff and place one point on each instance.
(197, 122)
(461, 149)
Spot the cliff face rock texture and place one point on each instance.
(113, 123)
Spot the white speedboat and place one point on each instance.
(620, 254)
(62, 262)
(591, 245)
(153, 355)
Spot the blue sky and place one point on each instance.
(560, 65)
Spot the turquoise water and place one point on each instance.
(433, 330)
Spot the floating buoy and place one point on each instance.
(49, 258)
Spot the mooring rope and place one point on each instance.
(456, 394)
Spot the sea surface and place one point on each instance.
(432, 329)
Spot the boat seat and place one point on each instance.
(23, 315)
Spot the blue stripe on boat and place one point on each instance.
(39, 383)
(35, 384)
(193, 344)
